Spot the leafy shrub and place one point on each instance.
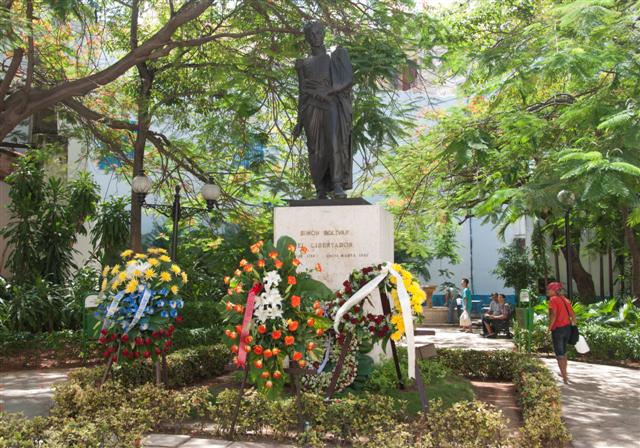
(349, 418)
(18, 431)
(607, 342)
(47, 214)
(14, 342)
(43, 306)
(516, 268)
(540, 338)
(192, 337)
(184, 367)
(201, 314)
(536, 390)
(614, 312)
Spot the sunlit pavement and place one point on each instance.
(600, 405)
(29, 391)
(451, 337)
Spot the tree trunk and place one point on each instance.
(584, 281)
(601, 275)
(631, 239)
(610, 259)
(144, 123)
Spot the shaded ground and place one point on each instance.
(600, 405)
(48, 359)
(503, 397)
(175, 441)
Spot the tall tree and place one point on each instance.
(552, 88)
(224, 107)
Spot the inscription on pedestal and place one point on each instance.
(340, 238)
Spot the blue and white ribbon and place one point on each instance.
(112, 308)
(146, 296)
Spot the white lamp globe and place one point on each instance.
(141, 184)
(210, 192)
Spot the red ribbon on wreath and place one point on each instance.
(248, 314)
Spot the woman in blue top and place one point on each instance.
(466, 301)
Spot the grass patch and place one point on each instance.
(440, 383)
(450, 390)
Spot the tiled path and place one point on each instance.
(601, 404)
(176, 441)
(29, 391)
(450, 337)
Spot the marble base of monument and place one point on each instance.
(340, 238)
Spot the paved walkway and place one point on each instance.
(178, 441)
(29, 391)
(601, 404)
(450, 337)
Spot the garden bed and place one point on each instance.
(119, 413)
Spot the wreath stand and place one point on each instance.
(295, 373)
(422, 352)
(161, 371)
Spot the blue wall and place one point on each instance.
(478, 301)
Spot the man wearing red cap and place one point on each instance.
(561, 317)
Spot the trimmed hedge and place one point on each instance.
(15, 342)
(607, 342)
(184, 367)
(119, 412)
(536, 389)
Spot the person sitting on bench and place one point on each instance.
(493, 320)
(494, 310)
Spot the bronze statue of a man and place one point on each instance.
(325, 112)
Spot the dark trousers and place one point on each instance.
(484, 328)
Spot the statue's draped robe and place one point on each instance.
(327, 124)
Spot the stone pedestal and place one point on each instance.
(340, 237)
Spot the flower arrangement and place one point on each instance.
(273, 313)
(139, 304)
(319, 382)
(367, 328)
(416, 295)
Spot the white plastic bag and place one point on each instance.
(465, 319)
(581, 346)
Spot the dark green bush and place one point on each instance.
(605, 342)
(192, 337)
(14, 342)
(201, 314)
(184, 367)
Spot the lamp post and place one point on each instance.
(568, 200)
(141, 185)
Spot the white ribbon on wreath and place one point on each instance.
(405, 306)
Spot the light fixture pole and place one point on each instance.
(141, 185)
(568, 200)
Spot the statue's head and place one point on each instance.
(314, 33)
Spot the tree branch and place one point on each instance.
(16, 59)
(40, 99)
(30, 51)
